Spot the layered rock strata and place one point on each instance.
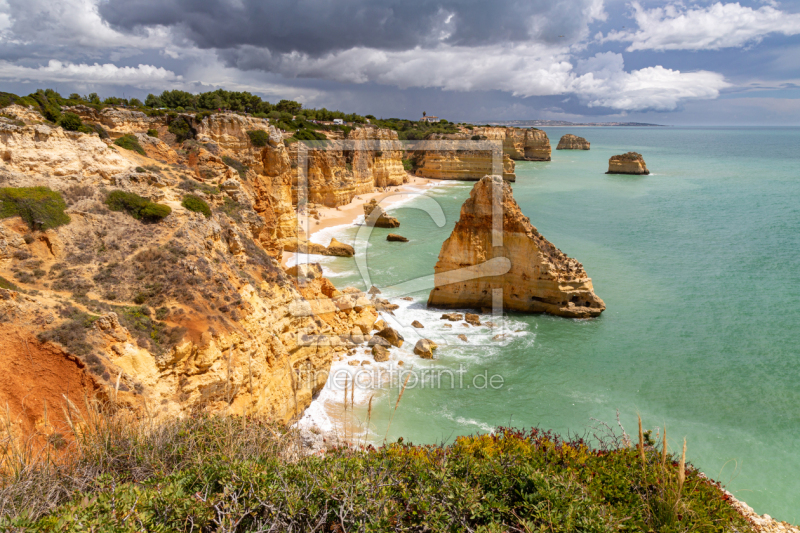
(540, 278)
(629, 163)
(572, 142)
(188, 313)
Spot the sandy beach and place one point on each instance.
(347, 214)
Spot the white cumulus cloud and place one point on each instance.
(522, 70)
(147, 76)
(605, 83)
(713, 27)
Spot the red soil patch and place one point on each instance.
(35, 373)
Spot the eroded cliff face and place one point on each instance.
(190, 312)
(521, 144)
(572, 142)
(540, 278)
(365, 159)
(628, 163)
(117, 121)
(42, 149)
(448, 160)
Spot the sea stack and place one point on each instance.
(572, 142)
(379, 219)
(630, 163)
(541, 279)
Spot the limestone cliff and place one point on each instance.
(526, 144)
(541, 278)
(117, 121)
(628, 163)
(572, 142)
(42, 149)
(365, 159)
(450, 161)
(190, 312)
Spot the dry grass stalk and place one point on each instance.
(664, 448)
(399, 397)
(640, 446)
(682, 468)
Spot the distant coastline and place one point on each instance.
(552, 123)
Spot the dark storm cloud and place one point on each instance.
(316, 27)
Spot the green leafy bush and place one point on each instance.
(130, 142)
(408, 165)
(101, 131)
(70, 122)
(210, 470)
(196, 204)
(181, 129)
(42, 208)
(136, 206)
(258, 137)
(152, 133)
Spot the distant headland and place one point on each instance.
(551, 123)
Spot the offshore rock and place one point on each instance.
(572, 142)
(339, 249)
(394, 237)
(381, 219)
(630, 163)
(540, 278)
(424, 348)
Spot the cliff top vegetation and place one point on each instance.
(213, 473)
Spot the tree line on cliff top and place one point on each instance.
(286, 114)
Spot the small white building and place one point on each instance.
(338, 121)
(429, 119)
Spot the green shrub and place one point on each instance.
(130, 142)
(136, 206)
(205, 470)
(70, 122)
(101, 131)
(258, 137)
(408, 165)
(240, 167)
(181, 129)
(152, 133)
(196, 204)
(42, 208)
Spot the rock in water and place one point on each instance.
(630, 163)
(395, 237)
(424, 348)
(472, 319)
(380, 353)
(391, 335)
(339, 249)
(417, 324)
(572, 142)
(540, 278)
(379, 219)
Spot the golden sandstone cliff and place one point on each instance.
(572, 142)
(454, 161)
(541, 278)
(629, 163)
(366, 158)
(189, 312)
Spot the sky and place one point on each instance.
(659, 61)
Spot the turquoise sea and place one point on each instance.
(699, 266)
